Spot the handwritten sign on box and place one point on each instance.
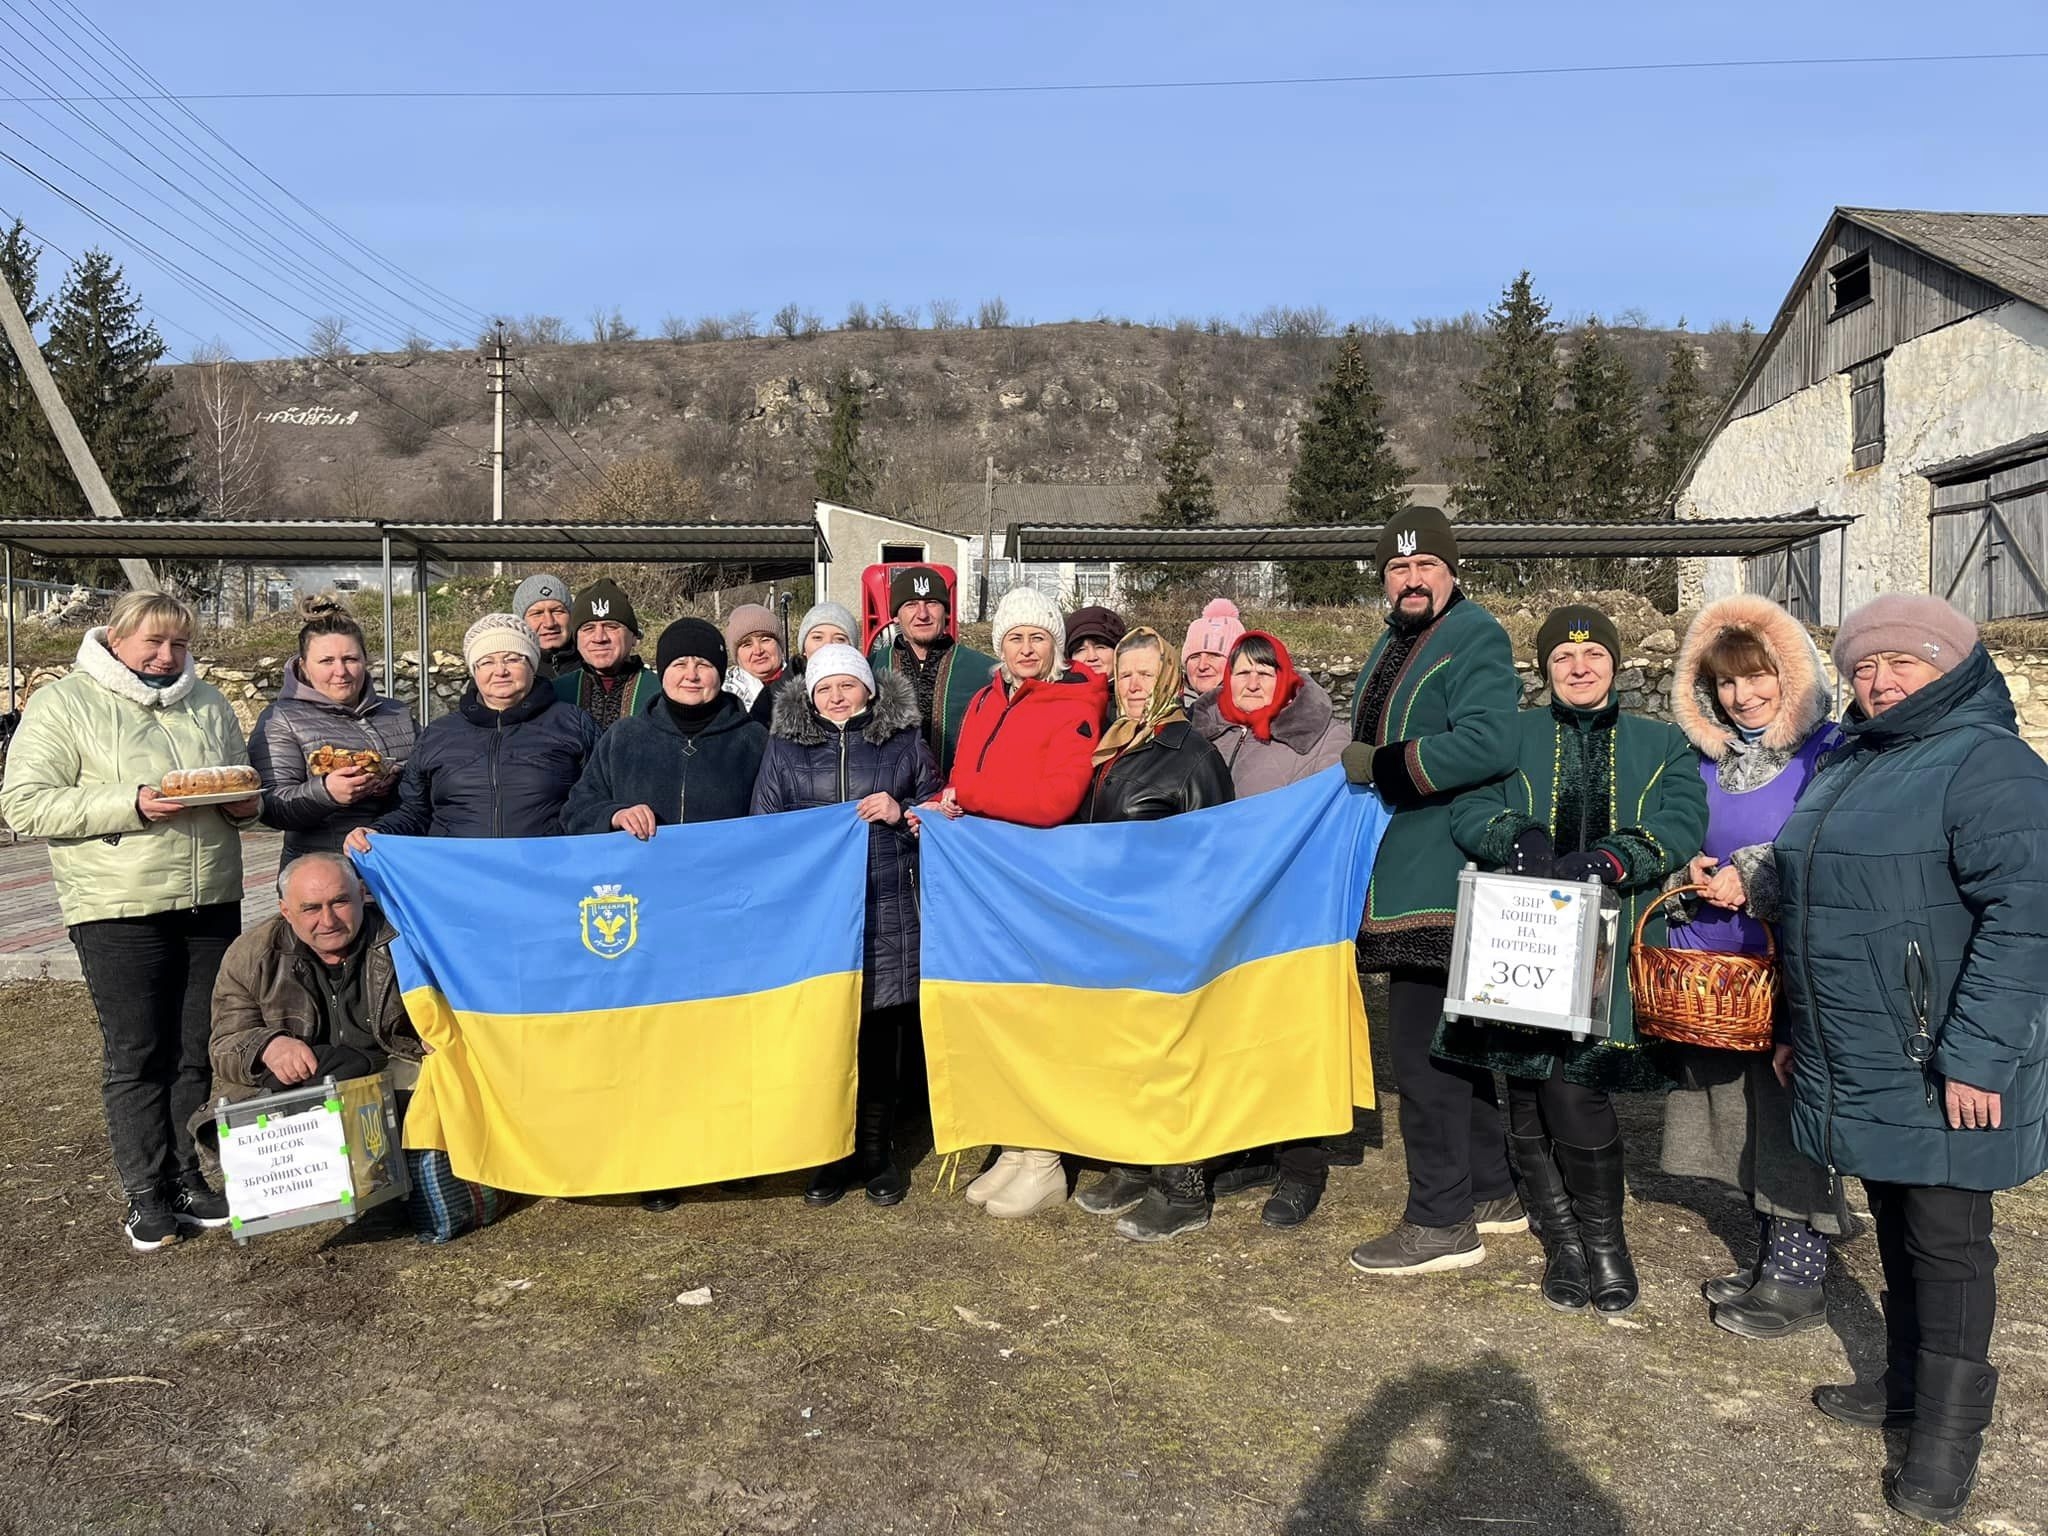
(1523, 945)
(286, 1162)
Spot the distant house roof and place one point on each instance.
(962, 510)
(2006, 250)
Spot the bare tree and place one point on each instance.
(675, 328)
(945, 315)
(609, 327)
(742, 325)
(229, 465)
(857, 317)
(330, 340)
(541, 331)
(355, 489)
(709, 328)
(993, 315)
(788, 320)
(811, 324)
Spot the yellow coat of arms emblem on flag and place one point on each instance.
(611, 922)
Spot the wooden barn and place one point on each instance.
(1904, 383)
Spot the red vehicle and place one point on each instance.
(875, 613)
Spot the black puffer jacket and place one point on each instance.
(480, 772)
(811, 762)
(647, 760)
(1176, 771)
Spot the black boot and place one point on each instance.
(1951, 1411)
(874, 1155)
(1176, 1202)
(829, 1182)
(1565, 1285)
(1728, 1287)
(1773, 1309)
(1886, 1403)
(1593, 1177)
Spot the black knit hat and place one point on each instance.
(918, 584)
(689, 637)
(603, 599)
(1576, 624)
(1416, 531)
(1094, 623)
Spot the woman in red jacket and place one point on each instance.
(1026, 755)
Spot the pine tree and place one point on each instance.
(1599, 435)
(104, 356)
(841, 473)
(28, 449)
(1346, 472)
(1186, 499)
(1512, 472)
(1684, 411)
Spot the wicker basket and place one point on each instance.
(1702, 996)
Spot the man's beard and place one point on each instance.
(1407, 623)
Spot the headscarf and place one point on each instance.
(1286, 684)
(1128, 733)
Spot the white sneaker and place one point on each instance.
(990, 1184)
(1040, 1180)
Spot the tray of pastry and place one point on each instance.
(210, 786)
(326, 759)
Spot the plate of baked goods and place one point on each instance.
(210, 786)
(323, 760)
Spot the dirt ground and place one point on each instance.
(922, 1369)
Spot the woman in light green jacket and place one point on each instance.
(150, 888)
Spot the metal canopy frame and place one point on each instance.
(1700, 539)
(782, 548)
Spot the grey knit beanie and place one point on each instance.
(541, 588)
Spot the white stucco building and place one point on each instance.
(1904, 384)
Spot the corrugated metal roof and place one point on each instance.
(2007, 250)
(324, 541)
(1477, 541)
(961, 507)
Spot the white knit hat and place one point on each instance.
(1029, 608)
(838, 661)
(496, 632)
(827, 613)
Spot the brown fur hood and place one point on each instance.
(1803, 685)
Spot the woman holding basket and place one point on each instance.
(1599, 796)
(1750, 694)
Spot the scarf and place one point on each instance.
(1130, 733)
(1286, 684)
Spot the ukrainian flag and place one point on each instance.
(607, 1015)
(1151, 992)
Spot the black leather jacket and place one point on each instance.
(1176, 771)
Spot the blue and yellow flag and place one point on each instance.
(1153, 992)
(607, 1015)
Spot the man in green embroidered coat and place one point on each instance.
(1432, 722)
(919, 643)
(610, 682)
(1603, 796)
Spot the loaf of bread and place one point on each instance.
(324, 760)
(236, 778)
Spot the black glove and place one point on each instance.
(1532, 855)
(1595, 865)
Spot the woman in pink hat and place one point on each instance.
(1205, 656)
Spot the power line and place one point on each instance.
(274, 255)
(534, 385)
(1275, 82)
(161, 136)
(534, 423)
(454, 307)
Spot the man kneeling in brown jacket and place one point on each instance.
(311, 992)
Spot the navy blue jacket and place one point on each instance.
(647, 760)
(1915, 870)
(811, 762)
(482, 773)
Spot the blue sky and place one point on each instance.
(1692, 194)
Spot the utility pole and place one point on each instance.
(98, 494)
(498, 375)
(988, 536)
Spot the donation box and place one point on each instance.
(326, 1151)
(1533, 952)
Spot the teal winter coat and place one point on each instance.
(1915, 880)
